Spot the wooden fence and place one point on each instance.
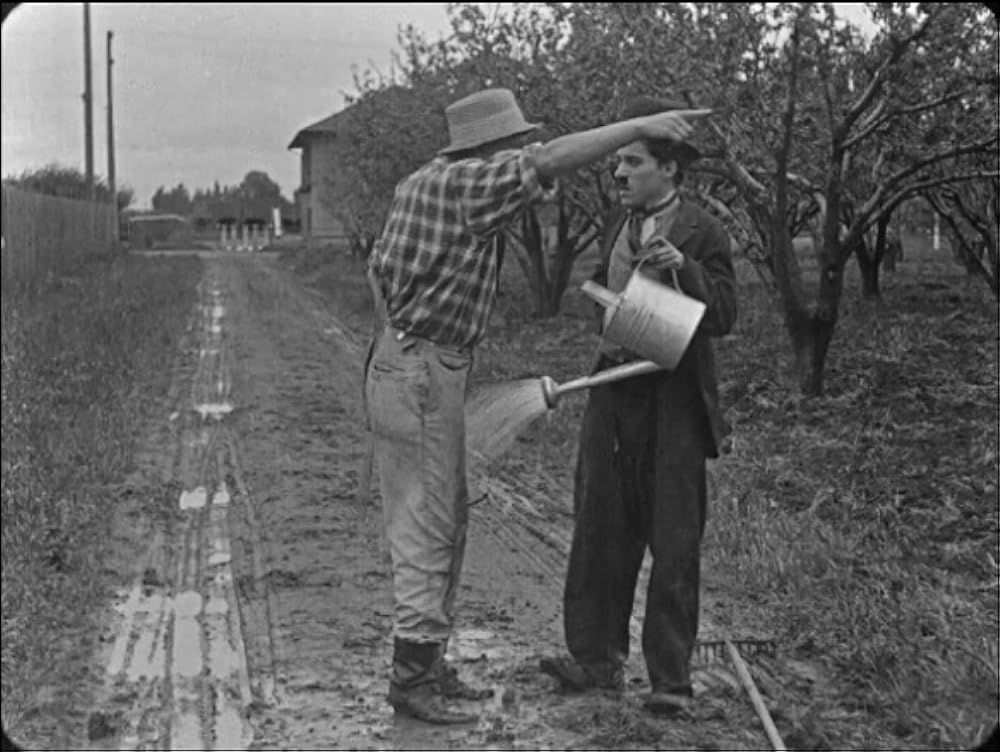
(43, 234)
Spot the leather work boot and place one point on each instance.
(579, 677)
(415, 689)
(425, 703)
(451, 686)
(669, 704)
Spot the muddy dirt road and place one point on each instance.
(260, 614)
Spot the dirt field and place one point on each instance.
(258, 611)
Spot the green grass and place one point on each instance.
(860, 528)
(85, 361)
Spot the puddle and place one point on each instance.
(148, 659)
(218, 558)
(185, 733)
(194, 499)
(216, 607)
(479, 644)
(221, 497)
(222, 659)
(216, 410)
(151, 604)
(187, 604)
(228, 726)
(187, 646)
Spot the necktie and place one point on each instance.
(636, 219)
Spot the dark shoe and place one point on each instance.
(669, 704)
(414, 662)
(425, 703)
(579, 677)
(452, 687)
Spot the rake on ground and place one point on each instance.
(708, 652)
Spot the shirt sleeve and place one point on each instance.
(491, 191)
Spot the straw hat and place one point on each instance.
(485, 116)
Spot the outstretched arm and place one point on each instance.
(568, 153)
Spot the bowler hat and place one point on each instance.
(642, 106)
(488, 115)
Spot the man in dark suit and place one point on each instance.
(640, 477)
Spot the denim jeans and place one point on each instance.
(415, 394)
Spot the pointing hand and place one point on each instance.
(674, 125)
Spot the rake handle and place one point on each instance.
(758, 702)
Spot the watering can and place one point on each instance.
(649, 318)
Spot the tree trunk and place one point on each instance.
(833, 257)
(869, 272)
(893, 254)
(870, 260)
(820, 336)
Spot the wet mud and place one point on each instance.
(260, 613)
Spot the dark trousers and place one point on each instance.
(634, 490)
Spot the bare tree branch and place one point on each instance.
(585, 242)
(967, 213)
(735, 172)
(868, 215)
(871, 124)
(588, 215)
(802, 182)
(964, 243)
(913, 169)
(899, 47)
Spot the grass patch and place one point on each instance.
(84, 360)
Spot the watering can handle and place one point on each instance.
(673, 272)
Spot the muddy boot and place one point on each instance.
(579, 677)
(414, 690)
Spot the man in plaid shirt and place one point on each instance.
(434, 271)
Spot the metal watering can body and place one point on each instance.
(649, 318)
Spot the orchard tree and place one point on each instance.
(175, 201)
(971, 214)
(837, 99)
(259, 194)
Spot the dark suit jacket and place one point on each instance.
(688, 397)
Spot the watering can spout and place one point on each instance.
(599, 294)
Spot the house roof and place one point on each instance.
(394, 95)
(326, 125)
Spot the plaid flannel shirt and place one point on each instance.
(436, 261)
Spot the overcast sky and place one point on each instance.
(202, 92)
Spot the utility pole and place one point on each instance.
(88, 113)
(111, 150)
